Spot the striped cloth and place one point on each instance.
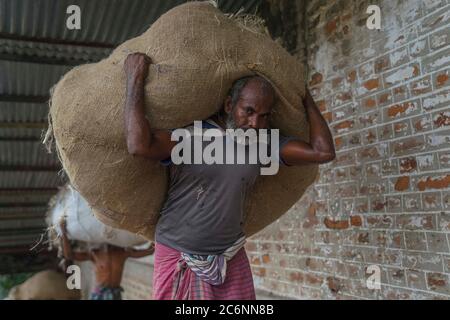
(106, 293)
(212, 268)
(173, 279)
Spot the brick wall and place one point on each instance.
(385, 200)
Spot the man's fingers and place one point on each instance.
(148, 59)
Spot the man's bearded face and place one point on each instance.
(252, 110)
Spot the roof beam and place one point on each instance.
(29, 125)
(20, 139)
(23, 204)
(19, 232)
(22, 216)
(10, 36)
(29, 168)
(9, 190)
(44, 60)
(24, 98)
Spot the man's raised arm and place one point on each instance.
(67, 248)
(320, 149)
(141, 140)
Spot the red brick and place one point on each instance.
(442, 78)
(401, 127)
(378, 205)
(437, 280)
(384, 98)
(399, 92)
(408, 145)
(402, 109)
(372, 84)
(382, 64)
(331, 26)
(260, 272)
(351, 76)
(408, 164)
(369, 103)
(421, 86)
(434, 183)
(295, 276)
(344, 126)
(356, 221)
(328, 116)
(316, 78)
(266, 259)
(373, 152)
(336, 82)
(431, 201)
(371, 136)
(363, 237)
(370, 119)
(442, 119)
(314, 280)
(334, 284)
(251, 246)
(311, 219)
(255, 260)
(336, 224)
(338, 143)
(421, 123)
(321, 104)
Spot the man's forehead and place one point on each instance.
(256, 98)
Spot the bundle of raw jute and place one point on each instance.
(197, 53)
(81, 223)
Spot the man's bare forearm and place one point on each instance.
(67, 248)
(137, 127)
(321, 139)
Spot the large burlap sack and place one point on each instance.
(44, 285)
(81, 223)
(197, 52)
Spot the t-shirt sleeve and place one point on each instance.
(283, 141)
(168, 161)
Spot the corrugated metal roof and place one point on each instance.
(25, 197)
(25, 153)
(36, 50)
(102, 21)
(51, 53)
(29, 179)
(31, 79)
(22, 112)
(23, 224)
(18, 133)
(7, 211)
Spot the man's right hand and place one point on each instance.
(136, 65)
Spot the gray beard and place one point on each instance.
(229, 122)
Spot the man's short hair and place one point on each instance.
(239, 84)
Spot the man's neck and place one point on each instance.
(219, 121)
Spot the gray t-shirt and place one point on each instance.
(204, 210)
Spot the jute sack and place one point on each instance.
(44, 285)
(197, 52)
(81, 223)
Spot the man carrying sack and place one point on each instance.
(199, 249)
(109, 263)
